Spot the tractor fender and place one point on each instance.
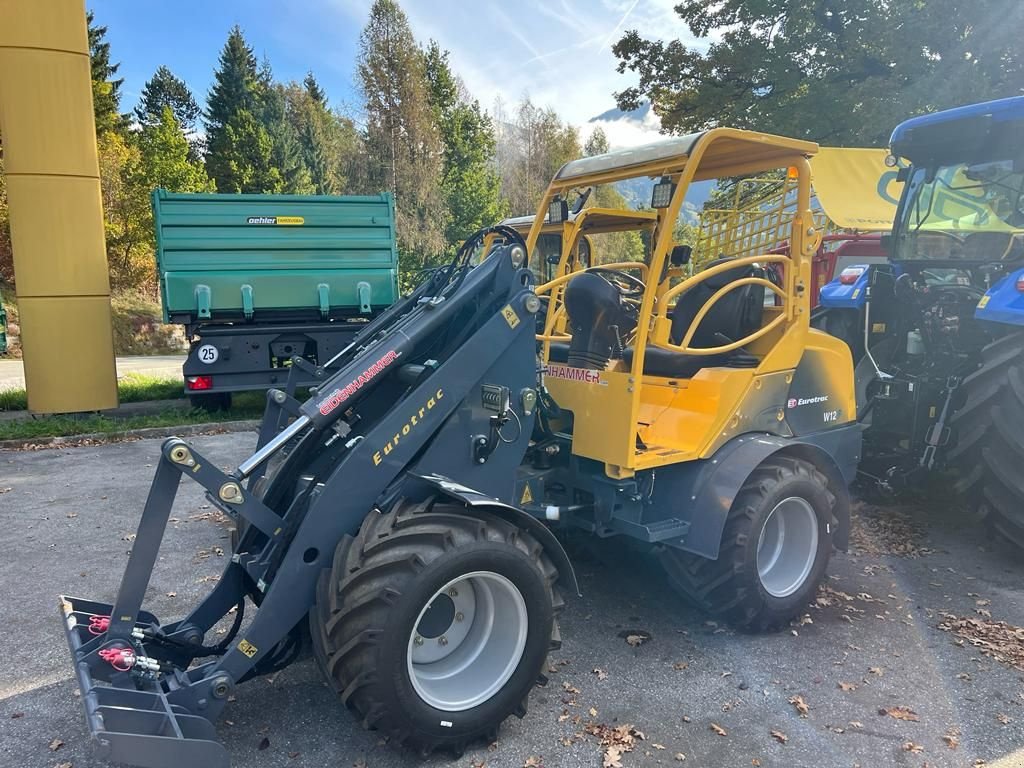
(711, 487)
(474, 500)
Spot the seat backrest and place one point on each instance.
(735, 315)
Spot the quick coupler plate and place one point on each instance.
(124, 695)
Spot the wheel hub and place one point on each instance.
(468, 641)
(787, 547)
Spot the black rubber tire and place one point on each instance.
(989, 447)
(730, 587)
(211, 402)
(367, 604)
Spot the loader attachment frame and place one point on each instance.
(151, 691)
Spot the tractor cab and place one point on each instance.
(655, 365)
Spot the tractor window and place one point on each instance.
(961, 212)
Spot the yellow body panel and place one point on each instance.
(53, 190)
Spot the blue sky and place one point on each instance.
(557, 51)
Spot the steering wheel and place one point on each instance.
(629, 287)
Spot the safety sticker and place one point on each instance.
(247, 648)
(527, 496)
(983, 302)
(510, 316)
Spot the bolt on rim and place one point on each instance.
(467, 641)
(787, 547)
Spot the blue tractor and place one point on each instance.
(937, 333)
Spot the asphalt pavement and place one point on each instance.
(694, 689)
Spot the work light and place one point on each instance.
(662, 194)
(558, 211)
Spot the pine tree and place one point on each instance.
(403, 144)
(106, 89)
(164, 89)
(471, 183)
(316, 93)
(237, 89)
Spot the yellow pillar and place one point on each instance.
(56, 215)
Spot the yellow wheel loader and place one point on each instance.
(402, 520)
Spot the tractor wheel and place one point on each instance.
(989, 448)
(434, 625)
(775, 546)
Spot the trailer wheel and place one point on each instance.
(434, 625)
(989, 448)
(775, 547)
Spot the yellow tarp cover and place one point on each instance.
(855, 188)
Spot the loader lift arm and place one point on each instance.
(408, 398)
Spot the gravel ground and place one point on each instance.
(67, 516)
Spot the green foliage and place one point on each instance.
(843, 73)
(6, 254)
(470, 181)
(139, 329)
(126, 212)
(404, 151)
(166, 157)
(106, 89)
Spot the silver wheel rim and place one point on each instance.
(787, 547)
(467, 641)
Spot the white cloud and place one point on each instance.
(556, 51)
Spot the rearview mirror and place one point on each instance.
(680, 255)
(553, 258)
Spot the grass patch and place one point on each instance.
(65, 425)
(132, 388)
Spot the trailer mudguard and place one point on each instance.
(474, 500)
(702, 492)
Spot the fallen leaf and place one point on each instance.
(569, 687)
(1003, 719)
(679, 756)
(635, 640)
(5, 490)
(56, 744)
(801, 705)
(601, 674)
(593, 712)
(533, 762)
(612, 755)
(679, 666)
(172, 594)
(719, 729)
(900, 713)
(856, 724)
(909, 746)
(847, 686)
(63, 765)
(780, 737)
(16, 715)
(686, 719)
(951, 740)
(264, 743)
(755, 762)
(876, 671)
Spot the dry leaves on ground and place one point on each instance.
(885, 531)
(801, 705)
(909, 746)
(533, 762)
(636, 640)
(996, 639)
(900, 713)
(719, 729)
(56, 744)
(1003, 719)
(780, 737)
(952, 740)
(601, 674)
(846, 687)
(614, 741)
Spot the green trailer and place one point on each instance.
(257, 280)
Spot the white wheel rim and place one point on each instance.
(467, 641)
(787, 547)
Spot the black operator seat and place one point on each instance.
(734, 316)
